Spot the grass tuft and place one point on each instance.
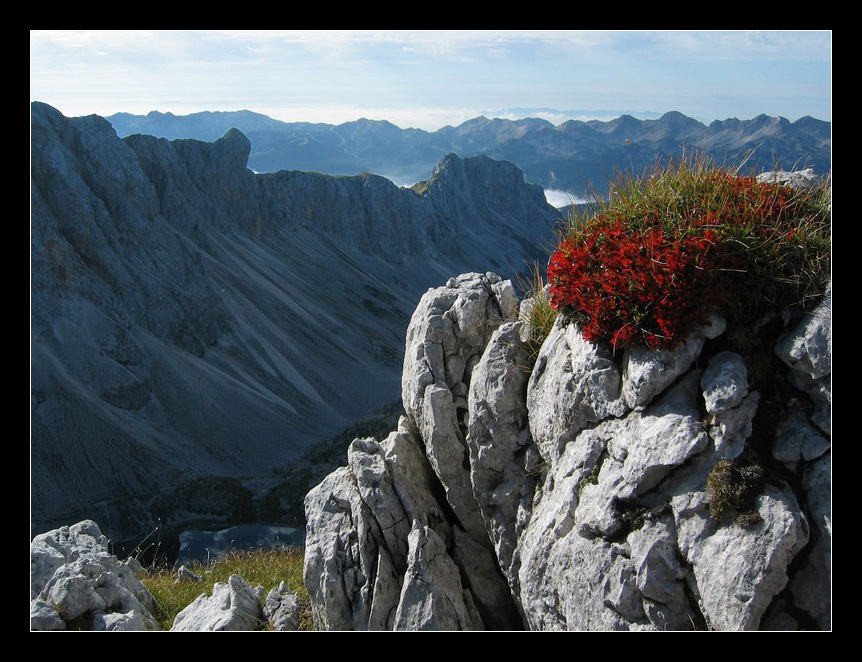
(538, 313)
(259, 567)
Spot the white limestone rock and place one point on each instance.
(51, 550)
(185, 575)
(281, 609)
(812, 585)
(73, 573)
(797, 179)
(648, 371)
(724, 382)
(448, 332)
(730, 428)
(413, 479)
(44, 616)
(642, 449)
(660, 575)
(432, 597)
(357, 547)
(341, 556)
(574, 383)
(797, 440)
(498, 438)
(445, 339)
(367, 461)
(807, 349)
(130, 621)
(590, 484)
(569, 582)
(738, 570)
(232, 606)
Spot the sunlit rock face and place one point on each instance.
(591, 486)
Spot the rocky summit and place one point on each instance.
(582, 489)
(198, 330)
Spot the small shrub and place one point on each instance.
(731, 489)
(652, 262)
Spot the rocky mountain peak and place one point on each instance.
(241, 145)
(576, 156)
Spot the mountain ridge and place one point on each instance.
(195, 323)
(579, 156)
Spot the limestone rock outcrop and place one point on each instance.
(586, 490)
(403, 512)
(76, 583)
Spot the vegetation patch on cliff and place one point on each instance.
(731, 489)
(650, 264)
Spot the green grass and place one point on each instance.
(264, 567)
(540, 314)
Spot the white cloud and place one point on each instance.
(558, 199)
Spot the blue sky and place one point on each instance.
(427, 79)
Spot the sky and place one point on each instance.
(429, 79)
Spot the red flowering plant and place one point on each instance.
(664, 252)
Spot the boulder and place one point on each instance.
(281, 609)
(797, 179)
(233, 605)
(76, 583)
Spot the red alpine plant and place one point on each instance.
(651, 272)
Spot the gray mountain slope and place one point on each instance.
(197, 328)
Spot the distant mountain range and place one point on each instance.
(579, 157)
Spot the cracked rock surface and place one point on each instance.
(571, 494)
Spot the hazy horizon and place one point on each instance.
(430, 79)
